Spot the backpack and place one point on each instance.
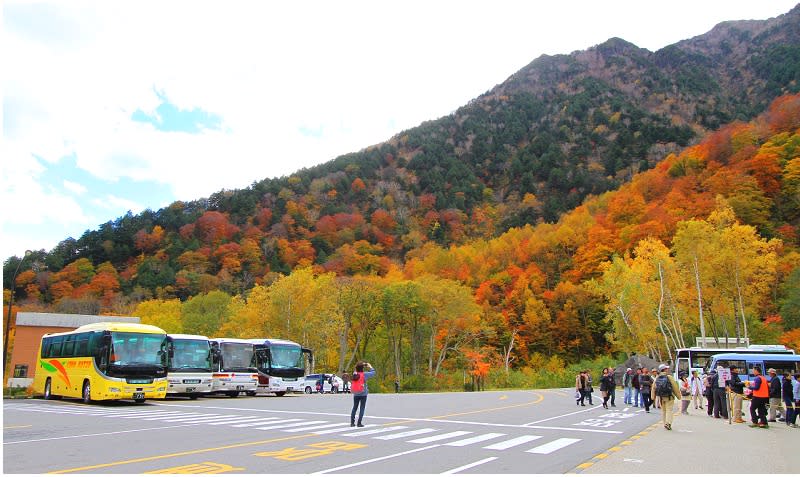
(357, 383)
(663, 386)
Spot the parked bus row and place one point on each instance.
(107, 361)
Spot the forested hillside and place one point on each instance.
(492, 235)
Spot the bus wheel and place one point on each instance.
(139, 401)
(193, 396)
(280, 393)
(308, 390)
(251, 393)
(233, 393)
(87, 392)
(47, 391)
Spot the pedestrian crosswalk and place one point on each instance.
(496, 441)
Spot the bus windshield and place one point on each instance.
(190, 355)
(285, 357)
(137, 349)
(237, 356)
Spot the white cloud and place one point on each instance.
(358, 72)
(74, 187)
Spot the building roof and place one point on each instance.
(67, 320)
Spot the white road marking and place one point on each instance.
(472, 440)
(270, 420)
(512, 442)
(282, 426)
(440, 437)
(553, 446)
(340, 429)
(415, 432)
(377, 459)
(374, 431)
(314, 428)
(250, 420)
(155, 418)
(469, 466)
(94, 435)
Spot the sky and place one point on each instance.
(110, 107)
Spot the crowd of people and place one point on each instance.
(772, 398)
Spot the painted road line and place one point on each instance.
(5, 443)
(158, 414)
(217, 420)
(195, 418)
(269, 420)
(375, 431)
(257, 420)
(282, 426)
(469, 466)
(473, 440)
(512, 442)
(340, 429)
(156, 418)
(440, 437)
(553, 446)
(377, 459)
(314, 428)
(400, 435)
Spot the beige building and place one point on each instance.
(30, 327)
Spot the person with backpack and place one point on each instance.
(358, 386)
(668, 390)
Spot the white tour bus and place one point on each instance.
(698, 358)
(281, 365)
(189, 365)
(234, 369)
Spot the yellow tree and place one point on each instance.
(166, 314)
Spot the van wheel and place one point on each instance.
(47, 391)
(308, 390)
(87, 392)
(233, 393)
(280, 393)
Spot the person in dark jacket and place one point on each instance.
(605, 384)
(612, 387)
(737, 389)
(637, 394)
(712, 374)
(759, 399)
(646, 383)
(788, 397)
(720, 400)
(774, 395)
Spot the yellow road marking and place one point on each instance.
(586, 465)
(176, 454)
(503, 397)
(17, 427)
(530, 403)
(615, 449)
(315, 450)
(601, 456)
(626, 443)
(202, 468)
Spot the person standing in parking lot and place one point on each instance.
(737, 394)
(759, 399)
(774, 395)
(358, 386)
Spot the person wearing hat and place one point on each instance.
(737, 390)
(668, 390)
(627, 384)
(774, 395)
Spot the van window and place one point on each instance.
(727, 363)
(781, 366)
(753, 364)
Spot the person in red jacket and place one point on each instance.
(760, 398)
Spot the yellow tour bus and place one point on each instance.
(103, 361)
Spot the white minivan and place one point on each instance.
(335, 385)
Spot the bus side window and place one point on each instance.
(68, 350)
(82, 344)
(54, 350)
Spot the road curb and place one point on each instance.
(599, 457)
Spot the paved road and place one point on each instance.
(488, 432)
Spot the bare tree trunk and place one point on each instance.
(660, 306)
(510, 347)
(741, 304)
(699, 301)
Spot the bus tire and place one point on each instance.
(48, 392)
(251, 393)
(87, 392)
(193, 396)
(139, 401)
(308, 390)
(280, 393)
(232, 393)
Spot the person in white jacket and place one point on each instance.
(697, 390)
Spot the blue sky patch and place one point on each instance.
(169, 118)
